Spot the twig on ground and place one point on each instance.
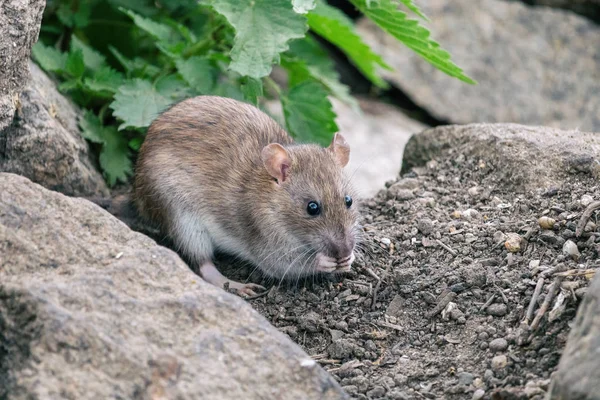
(547, 300)
(390, 325)
(534, 298)
(589, 273)
(376, 290)
(587, 214)
(487, 303)
(445, 246)
(442, 303)
(501, 294)
(371, 273)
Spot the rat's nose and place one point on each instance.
(342, 250)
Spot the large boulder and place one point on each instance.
(92, 310)
(520, 157)
(578, 375)
(19, 28)
(588, 8)
(43, 142)
(534, 65)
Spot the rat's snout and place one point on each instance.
(338, 255)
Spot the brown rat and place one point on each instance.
(216, 173)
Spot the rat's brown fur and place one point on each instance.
(200, 176)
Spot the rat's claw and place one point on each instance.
(246, 289)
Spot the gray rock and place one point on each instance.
(588, 8)
(92, 310)
(465, 378)
(425, 226)
(499, 344)
(499, 362)
(578, 374)
(44, 144)
(534, 65)
(513, 156)
(19, 28)
(497, 309)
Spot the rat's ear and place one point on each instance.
(277, 161)
(341, 149)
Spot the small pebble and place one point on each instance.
(478, 394)
(499, 344)
(570, 249)
(546, 222)
(386, 241)
(499, 362)
(513, 242)
(465, 378)
(497, 309)
(425, 226)
(586, 200)
(470, 214)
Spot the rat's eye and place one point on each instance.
(348, 201)
(313, 208)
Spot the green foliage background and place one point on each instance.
(124, 62)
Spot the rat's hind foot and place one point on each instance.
(210, 274)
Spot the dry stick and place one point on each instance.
(373, 274)
(536, 294)
(587, 214)
(445, 246)
(385, 274)
(448, 297)
(549, 297)
(487, 303)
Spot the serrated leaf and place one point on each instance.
(159, 31)
(410, 4)
(252, 90)
(303, 6)
(395, 22)
(263, 29)
(91, 127)
(137, 67)
(114, 157)
(227, 89)
(173, 87)
(105, 81)
(309, 116)
(49, 58)
(69, 85)
(311, 60)
(92, 59)
(198, 72)
(137, 103)
(75, 66)
(330, 24)
(136, 143)
(74, 15)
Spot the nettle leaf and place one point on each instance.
(308, 113)
(75, 65)
(311, 60)
(105, 82)
(252, 89)
(333, 25)
(173, 87)
(387, 16)
(92, 59)
(137, 103)
(114, 156)
(303, 6)
(49, 58)
(161, 32)
(138, 67)
(198, 72)
(74, 15)
(410, 4)
(263, 29)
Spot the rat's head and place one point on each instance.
(314, 206)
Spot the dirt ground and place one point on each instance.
(451, 302)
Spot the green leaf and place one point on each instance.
(227, 89)
(105, 81)
(137, 103)
(75, 15)
(308, 113)
(49, 58)
(311, 60)
(410, 4)
(75, 66)
(303, 6)
(332, 25)
(137, 67)
(392, 20)
(92, 59)
(159, 31)
(173, 87)
(136, 143)
(252, 90)
(114, 157)
(198, 72)
(263, 29)
(91, 127)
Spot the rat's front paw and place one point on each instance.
(246, 289)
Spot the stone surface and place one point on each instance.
(588, 8)
(43, 142)
(520, 157)
(578, 375)
(19, 28)
(92, 310)
(534, 65)
(377, 137)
